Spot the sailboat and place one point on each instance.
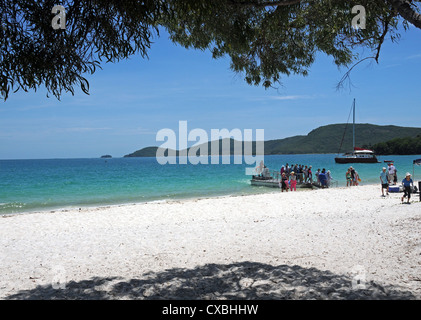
(358, 155)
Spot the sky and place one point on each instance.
(132, 100)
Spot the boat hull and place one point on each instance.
(356, 160)
(275, 184)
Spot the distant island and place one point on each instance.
(327, 139)
(106, 156)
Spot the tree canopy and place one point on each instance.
(407, 145)
(264, 39)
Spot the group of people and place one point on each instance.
(389, 174)
(291, 175)
(352, 177)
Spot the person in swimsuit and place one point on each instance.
(348, 178)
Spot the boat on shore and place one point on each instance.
(357, 155)
(272, 179)
(274, 183)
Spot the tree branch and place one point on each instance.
(346, 76)
(381, 39)
(406, 11)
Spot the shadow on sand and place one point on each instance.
(243, 280)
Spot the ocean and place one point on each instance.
(49, 184)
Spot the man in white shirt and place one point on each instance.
(392, 173)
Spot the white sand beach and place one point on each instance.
(340, 243)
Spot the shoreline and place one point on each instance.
(133, 203)
(298, 245)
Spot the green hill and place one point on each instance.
(151, 151)
(325, 139)
(405, 145)
(145, 152)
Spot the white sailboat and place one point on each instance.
(358, 155)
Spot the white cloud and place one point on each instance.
(299, 97)
(135, 131)
(414, 56)
(84, 129)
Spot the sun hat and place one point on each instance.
(292, 172)
(383, 168)
(407, 174)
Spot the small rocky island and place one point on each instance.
(106, 156)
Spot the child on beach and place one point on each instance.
(407, 182)
(293, 181)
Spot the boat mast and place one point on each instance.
(353, 128)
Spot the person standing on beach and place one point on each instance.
(310, 175)
(352, 170)
(392, 173)
(384, 179)
(329, 178)
(356, 178)
(293, 181)
(322, 178)
(284, 182)
(348, 177)
(407, 183)
(300, 174)
(305, 172)
(317, 176)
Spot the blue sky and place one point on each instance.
(131, 101)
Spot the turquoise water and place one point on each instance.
(29, 185)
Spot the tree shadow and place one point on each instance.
(242, 280)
